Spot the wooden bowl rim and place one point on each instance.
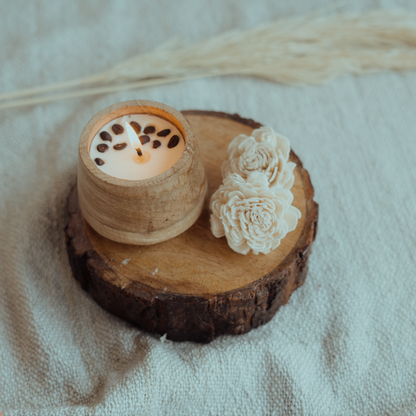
(135, 107)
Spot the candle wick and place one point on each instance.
(139, 152)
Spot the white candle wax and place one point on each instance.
(125, 162)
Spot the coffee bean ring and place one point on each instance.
(118, 129)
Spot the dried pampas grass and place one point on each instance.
(299, 51)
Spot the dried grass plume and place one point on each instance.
(301, 50)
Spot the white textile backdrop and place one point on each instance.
(345, 344)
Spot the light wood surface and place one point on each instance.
(194, 287)
(196, 262)
(144, 211)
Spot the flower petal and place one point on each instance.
(217, 227)
(291, 217)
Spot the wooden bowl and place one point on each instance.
(148, 211)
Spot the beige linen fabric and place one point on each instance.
(345, 342)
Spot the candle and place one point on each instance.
(140, 174)
(137, 146)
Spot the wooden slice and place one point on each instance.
(194, 287)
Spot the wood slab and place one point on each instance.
(194, 287)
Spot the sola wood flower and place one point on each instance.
(264, 151)
(251, 215)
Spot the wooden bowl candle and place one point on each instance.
(140, 176)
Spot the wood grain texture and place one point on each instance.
(201, 289)
(143, 211)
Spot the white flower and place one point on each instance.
(251, 215)
(264, 151)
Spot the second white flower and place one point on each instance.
(264, 151)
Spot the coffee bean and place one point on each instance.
(136, 126)
(144, 139)
(164, 133)
(106, 136)
(99, 161)
(117, 129)
(149, 130)
(173, 142)
(120, 146)
(102, 147)
(156, 144)
(139, 152)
